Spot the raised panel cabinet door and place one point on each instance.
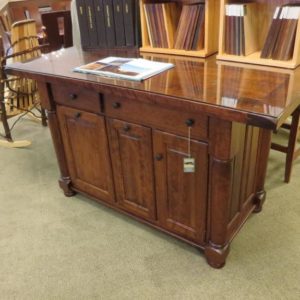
(181, 197)
(85, 142)
(131, 150)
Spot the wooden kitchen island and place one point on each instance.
(122, 143)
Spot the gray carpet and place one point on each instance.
(53, 247)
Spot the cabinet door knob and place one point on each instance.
(77, 115)
(159, 157)
(189, 122)
(73, 96)
(126, 128)
(116, 105)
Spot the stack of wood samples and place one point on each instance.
(109, 23)
(275, 22)
(240, 30)
(180, 27)
(190, 30)
(281, 37)
(161, 19)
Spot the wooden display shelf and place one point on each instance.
(200, 53)
(265, 11)
(211, 28)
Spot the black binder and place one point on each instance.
(100, 23)
(83, 24)
(129, 21)
(91, 20)
(109, 23)
(119, 23)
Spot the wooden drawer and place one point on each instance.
(173, 121)
(76, 97)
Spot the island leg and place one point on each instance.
(261, 170)
(220, 190)
(48, 104)
(65, 180)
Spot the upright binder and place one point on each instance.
(83, 24)
(129, 21)
(109, 23)
(91, 20)
(119, 22)
(100, 23)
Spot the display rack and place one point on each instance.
(211, 27)
(263, 17)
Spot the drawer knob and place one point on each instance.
(73, 96)
(189, 122)
(126, 128)
(159, 157)
(77, 115)
(116, 105)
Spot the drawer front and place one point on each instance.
(76, 97)
(173, 121)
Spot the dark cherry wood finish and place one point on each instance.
(132, 162)
(181, 197)
(86, 147)
(122, 143)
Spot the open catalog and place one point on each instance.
(124, 68)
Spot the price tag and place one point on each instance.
(189, 162)
(189, 165)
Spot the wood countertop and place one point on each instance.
(255, 95)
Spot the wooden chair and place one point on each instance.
(291, 150)
(18, 95)
(58, 28)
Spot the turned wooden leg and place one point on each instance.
(216, 256)
(65, 180)
(65, 185)
(260, 198)
(221, 172)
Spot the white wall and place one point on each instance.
(3, 2)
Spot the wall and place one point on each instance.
(3, 3)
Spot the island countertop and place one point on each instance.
(260, 96)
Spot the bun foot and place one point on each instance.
(216, 256)
(65, 185)
(259, 200)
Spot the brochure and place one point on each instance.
(124, 68)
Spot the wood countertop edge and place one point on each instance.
(236, 115)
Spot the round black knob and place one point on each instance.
(159, 157)
(116, 105)
(126, 128)
(190, 122)
(77, 115)
(73, 96)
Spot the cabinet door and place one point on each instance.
(86, 146)
(181, 197)
(131, 150)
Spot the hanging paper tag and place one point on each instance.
(189, 165)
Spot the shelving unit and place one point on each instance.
(211, 28)
(265, 12)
